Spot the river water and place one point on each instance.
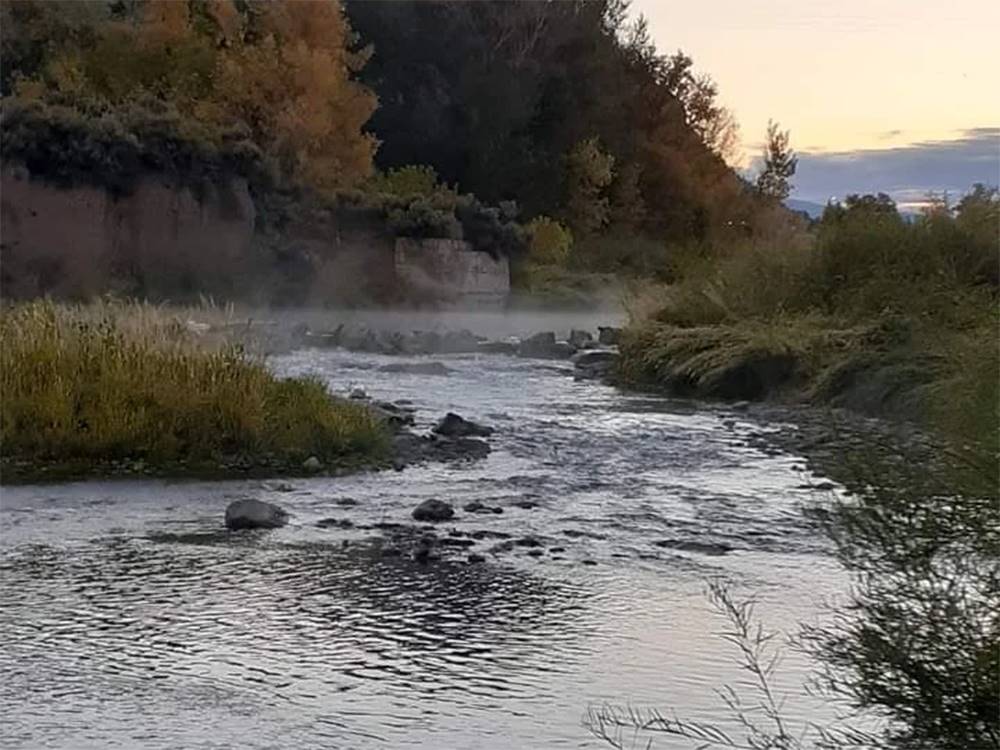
(131, 619)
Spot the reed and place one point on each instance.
(112, 381)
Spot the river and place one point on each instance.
(132, 619)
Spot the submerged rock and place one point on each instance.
(453, 425)
(433, 511)
(423, 551)
(417, 368)
(477, 507)
(595, 363)
(410, 448)
(335, 523)
(705, 548)
(254, 514)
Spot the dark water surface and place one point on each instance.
(131, 619)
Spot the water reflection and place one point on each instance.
(132, 619)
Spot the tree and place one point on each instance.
(780, 163)
(280, 71)
(589, 171)
(713, 123)
(294, 87)
(494, 95)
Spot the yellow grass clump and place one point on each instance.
(88, 385)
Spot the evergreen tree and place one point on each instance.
(780, 163)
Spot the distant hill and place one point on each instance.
(815, 210)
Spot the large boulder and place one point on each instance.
(454, 426)
(580, 339)
(254, 514)
(459, 342)
(608, 335)
(544, 346)
(538, 345)
(562, 350)
(433, 511)
(423, 342)
(358, 338)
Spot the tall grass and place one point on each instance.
(127, 381)
(877, 312)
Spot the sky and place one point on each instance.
(900, 96)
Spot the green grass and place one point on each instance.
(87, 387)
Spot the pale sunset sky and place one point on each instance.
(901, 96)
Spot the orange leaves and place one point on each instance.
(280, 68)
(294, 86)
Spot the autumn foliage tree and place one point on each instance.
(281, 71)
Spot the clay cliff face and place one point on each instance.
(71, 242)
(165, 240)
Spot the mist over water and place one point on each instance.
(132, 619)
(515, 322)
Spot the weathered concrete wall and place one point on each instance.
(451, 271)
(71, 241)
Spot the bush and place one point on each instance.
(550, 241)
(447, 215)
(411, 181)
(112, 149)
(112, 382)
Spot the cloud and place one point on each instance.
(907, 173)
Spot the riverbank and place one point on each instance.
(871, 312)
(116, 389)
(880, 368)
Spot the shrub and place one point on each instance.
(550, 241)
(411, 181)
(112, 149)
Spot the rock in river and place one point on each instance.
(538, 345)
(545, 346)
(254, 514)
(477, 507)
(595, 363)
(452, 425)
(433, 510)
(416, 368)
(608, 335)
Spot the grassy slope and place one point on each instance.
(89, 390)
(872, 314)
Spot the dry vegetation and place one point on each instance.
(111, 383)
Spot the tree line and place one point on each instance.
(566, 109)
